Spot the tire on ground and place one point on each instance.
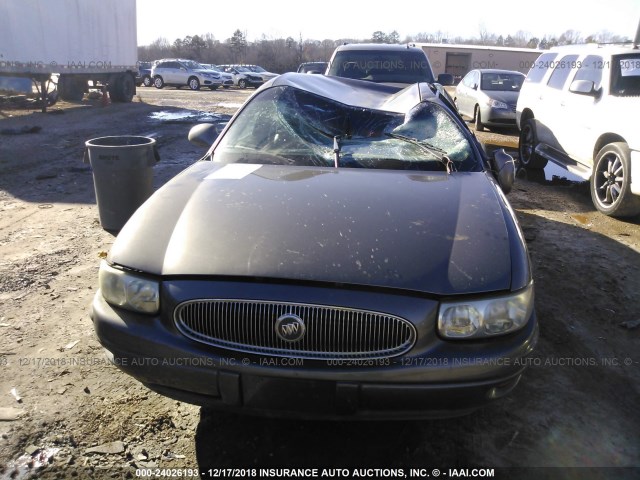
(527, 144)
(610, 183)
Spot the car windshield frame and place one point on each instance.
(286, 125)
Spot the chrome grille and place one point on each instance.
(331, 332)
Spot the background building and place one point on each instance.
(458, 60)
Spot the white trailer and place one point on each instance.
(80, 41)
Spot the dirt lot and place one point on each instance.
(68, 413)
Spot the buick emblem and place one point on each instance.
(290, 327)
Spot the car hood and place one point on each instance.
(510, 98)
(426, 232)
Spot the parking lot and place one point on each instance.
(71, 413)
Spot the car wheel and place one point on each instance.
(225, 86)
(242, 83)
(146, 81)
(477, 120)
(527, 146)
(194, 83)
(611, 182)
(158, 82)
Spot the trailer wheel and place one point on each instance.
(71, 89)
(123, 88)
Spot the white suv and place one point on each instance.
(179, 73)
(577, 107)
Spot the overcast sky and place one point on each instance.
(336, 19)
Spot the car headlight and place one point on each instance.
(126, 290)
(496, 104)
(475, 319)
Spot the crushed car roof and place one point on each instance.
(357, 93)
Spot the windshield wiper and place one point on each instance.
(336, 142)
(440, 154)
(336, 151)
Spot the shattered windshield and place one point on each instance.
(288, 126)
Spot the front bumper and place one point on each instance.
(498, 116)
(434, 379)
(209, 82)
(253, 83)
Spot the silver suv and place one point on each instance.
(179, 73)
(577, 108)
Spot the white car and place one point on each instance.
(227, 78)
(577, 108)
(489, 97)
(179, 73)
(242, 76)
(258, 70)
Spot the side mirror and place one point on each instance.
(203, 134)
(504, 169)
(445, 79)
(584, 87)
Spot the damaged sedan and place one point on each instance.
(344, 250)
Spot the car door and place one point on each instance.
(575, 123)
(167, 73)
(550, 102)
(161, 70)
(464, 98)
(181, 74)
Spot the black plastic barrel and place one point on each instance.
(122, 175)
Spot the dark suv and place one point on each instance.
(384, 63)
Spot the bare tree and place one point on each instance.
(484, 34)
(238, 44)
(570, 37)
